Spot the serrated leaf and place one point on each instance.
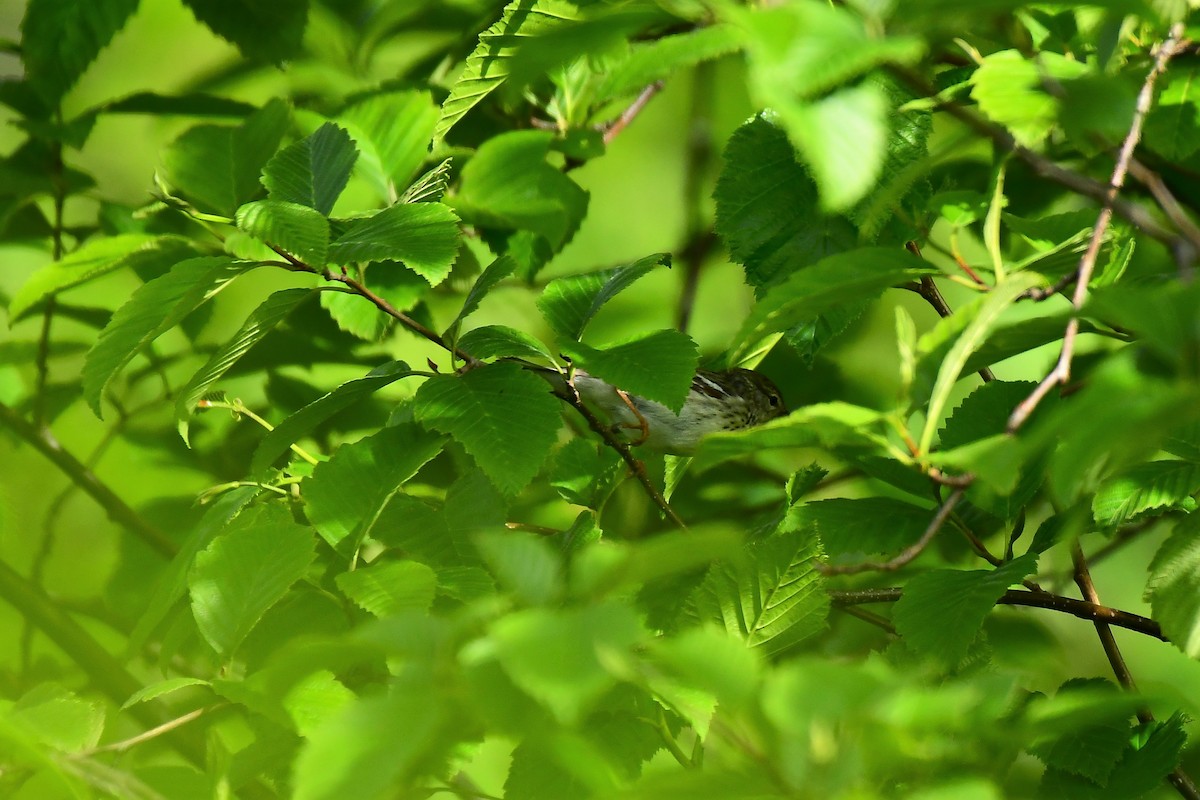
(488, 65)
(509, 185)
(160, 688)
(864, 525)
(154, 308)
(430, 187)
(524, 564)
(648, 62)
(555, 655)
(261, 321)
(300, 423)
(835, 280)
(827, 425)
(941, 611)
(1157, 486)
(313, 171)
(495, 272)
(61, 38)
(773, 601)
(59, 718)
(345, 495)
(1173, 125)
(658, 366)
(140, 252)
(843, 138)
(218, 166)
(393, 131)
(503, 416)
(424, 236)
(269, 32)
(570, 303)
(358, 316)
(391, 587)
(984, 317)
(501, 341)
(1173, 588)
(245, 571)
(297, 229)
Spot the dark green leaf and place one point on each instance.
(500, 341)
(865, 525)
(523, 563)
(658, 366)
(262, 31)
(941, 611)
(60, 38)
(505, 417)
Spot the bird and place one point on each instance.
(729, 400)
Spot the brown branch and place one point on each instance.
(1171, 207)
(909, 553)
(630, 114)
(118, 511)
(932, 295)
(1061, 372)
(1081, 609)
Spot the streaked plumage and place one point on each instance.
(718, 401)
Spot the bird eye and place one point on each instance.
(773, 400)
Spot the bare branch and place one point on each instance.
(909, 553)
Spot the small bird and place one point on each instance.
(717, 401)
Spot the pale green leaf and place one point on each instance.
(393, 131)
(501, 341)
(1146, 490)
(1173, 589)
(388, 588)
(524, 564)
(160, 688)
(59, 718)
(61, 39)
(570, 303)
(503, 416)
(1011, 89)
(245, 571)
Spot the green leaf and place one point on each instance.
(143, 253)
(827, 425)
(345, 495)
(1141, 768)
(843, 138)
(430, 187)
(160, 688)
(1156, 487)
(984, 317)
(648, 62)
(508, 185)
(369, 745)
(302, 422)
(833, 281)
(245, 571)
(505, 417)
(392, 131)
(218, 166)
(570, 303)
(358, 316)
(1173, 125)
(59, 718)
(261, 321)
(495, 272)
(313, 171)
(1010, 89)
(61, 38)
(585, 473)
(775, 599)
(424, 236)
(712, 662)
(390, 588)
(297, 229)
(941, 611)
(271, 32)
(658, 366)
(1173, 589)
(501, 341)
(864, 525)
(154, 308)
(488, 65)
(524, 564)
(555, 655)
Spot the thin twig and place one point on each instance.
(1061, 372)
(1081, 609)
(869, 617)
(909, 553)
(540, 530)
(932, 295)
(1170, 206)
(630, 114)
(1083, 579)
(145, 736)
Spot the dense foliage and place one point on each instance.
(289, 512)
